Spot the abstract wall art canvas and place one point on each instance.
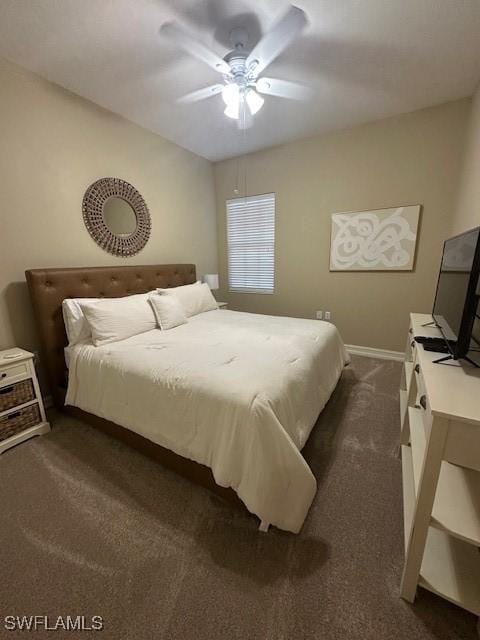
(377, 240)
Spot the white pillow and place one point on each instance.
(194, 298)
(168, 311)
(182, 293)
(113, 319)
(76, 324)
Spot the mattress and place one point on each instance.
(238, 392)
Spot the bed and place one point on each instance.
(228, 399)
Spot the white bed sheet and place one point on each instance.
(238, 392)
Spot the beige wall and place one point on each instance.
(409, 159)
(53, 146)
(467, 210)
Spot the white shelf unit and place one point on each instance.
(16, 366)
(440, 448)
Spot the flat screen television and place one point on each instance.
(456, 308)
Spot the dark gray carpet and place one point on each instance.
(90, 527)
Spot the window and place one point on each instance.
(251, 243)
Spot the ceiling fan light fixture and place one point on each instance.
(231, 94)
(231, 97)
(232, 111)
(254, 101)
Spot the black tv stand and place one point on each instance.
(446, 358)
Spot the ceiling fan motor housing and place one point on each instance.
(242, 76)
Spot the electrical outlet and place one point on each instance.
(319, 315)
(328, 315)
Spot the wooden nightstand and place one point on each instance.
(222, 305)
(22, 414)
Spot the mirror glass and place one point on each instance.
(119, 216)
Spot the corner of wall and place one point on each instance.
(466, 212)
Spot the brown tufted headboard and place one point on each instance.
(49, 287)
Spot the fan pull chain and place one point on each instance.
(240, 159)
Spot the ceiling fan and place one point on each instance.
(242, 87)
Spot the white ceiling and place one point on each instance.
(364, 60)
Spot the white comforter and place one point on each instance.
(238, 392)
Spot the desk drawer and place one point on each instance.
(16, 394)
(18, 421)
(420, 383)
(422, 401)
(13, 373)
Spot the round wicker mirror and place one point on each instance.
(116, 216)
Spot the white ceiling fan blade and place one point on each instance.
(283, 89)
(277, 39)
(188, 43)
(201, 94)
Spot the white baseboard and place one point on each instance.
(371, 352)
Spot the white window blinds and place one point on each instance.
(251, 243)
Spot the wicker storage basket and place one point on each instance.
(16, 394)
(19, 421)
